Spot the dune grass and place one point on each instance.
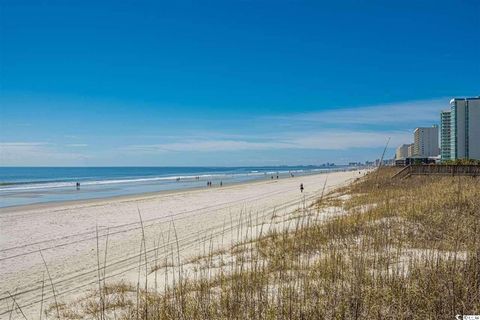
(395, 249)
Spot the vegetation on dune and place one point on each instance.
(395, 249)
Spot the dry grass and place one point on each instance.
(405, 249)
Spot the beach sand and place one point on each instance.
(69, 235)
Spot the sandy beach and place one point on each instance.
(75, 238)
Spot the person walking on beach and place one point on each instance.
(78, 185)
(301, 187)
(221, 183)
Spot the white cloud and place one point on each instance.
(332, 129)
(22, 144)
(322, 140)
(422, 111)
(207, 145)
(77, 145)
(36, 153)
(292, 134)
(349, 139)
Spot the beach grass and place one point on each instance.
(390, 249)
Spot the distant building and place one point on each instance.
(459, 136)
(389, 162)
(426, 142)
(402, 151)
(445, 134)
(411, 148)
(384, 162)
(465, 128)
(355, 164)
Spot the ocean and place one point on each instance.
(31, 185)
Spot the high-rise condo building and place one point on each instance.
(402, 152)
(465, 128)
(426, 142)
(411, 152)
(445, 134)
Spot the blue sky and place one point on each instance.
(227, 82)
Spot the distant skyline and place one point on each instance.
(237, 83)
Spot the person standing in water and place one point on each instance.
(301, 187)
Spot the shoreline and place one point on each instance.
(145, 195)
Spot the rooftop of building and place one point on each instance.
(463, 99)
(423, 128)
